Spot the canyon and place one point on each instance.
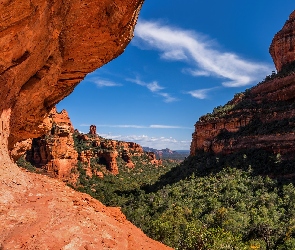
(57, 153)
(47, 48)
(262, 117)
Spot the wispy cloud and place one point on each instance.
(196, 72)
(205, 60)
(168, 97)
(100, 82)
(153, 142)
(200, 93)
(168, 127)
(155, 126)
(122, 126)
(84, 125)
(154, 87)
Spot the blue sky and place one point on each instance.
(186, 58)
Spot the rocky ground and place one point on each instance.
(39, 212)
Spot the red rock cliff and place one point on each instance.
(57, 155)
(262, 117)
(282, 48)
(47, 48)
(55, 151)
(109, 150)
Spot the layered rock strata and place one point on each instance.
(262, 117)
(282, 48)
(55, 152)
(92, 130)
(107, 151)
(47, 48)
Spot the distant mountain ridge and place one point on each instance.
(168, 153)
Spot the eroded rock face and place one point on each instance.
(20, 149)
(47, 48)
(262, 117)
(282, 48)
(92, 130)
(111, 158)
(153, 159)
(108, 151)
(126, 156)
(57, 154)
(55, 151)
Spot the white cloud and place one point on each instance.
(168, 98)
(137, 81)
(122, 126)
(104, 83)
(178, 44)
(153, 142)
(200, 93)
(154, 87)
(174, 55)
(196, 72)
(156, 126)
(168, 126)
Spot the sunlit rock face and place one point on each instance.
(47, 48)
(56, 154)
(38, 212)
(55, 151)
(283, 44)
(262, 117)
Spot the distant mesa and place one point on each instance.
(168, 153)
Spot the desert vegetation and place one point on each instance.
(206, 202)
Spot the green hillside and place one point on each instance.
(244, 200)
(206, 202)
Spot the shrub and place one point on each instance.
(21, 162)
